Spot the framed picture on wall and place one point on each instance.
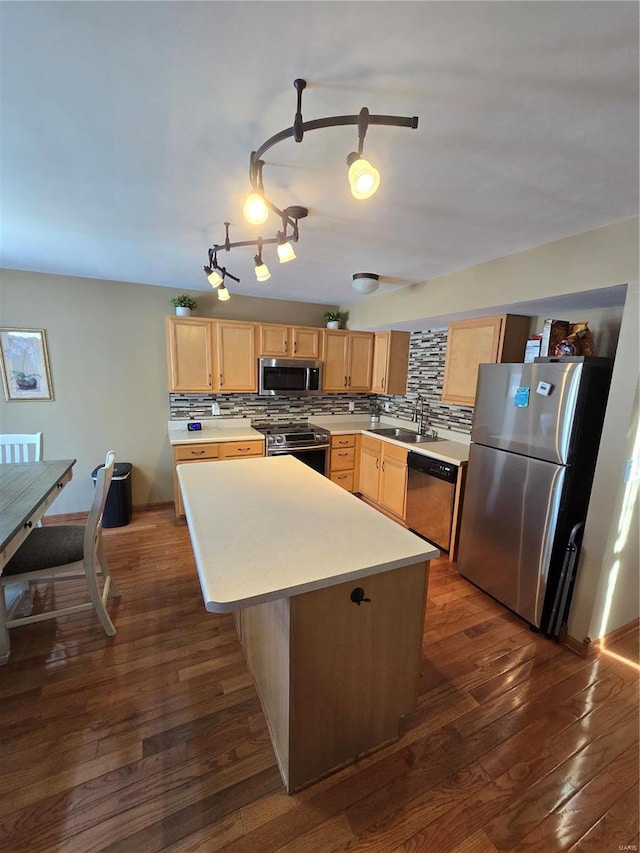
(24, 360)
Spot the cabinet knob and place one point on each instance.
(357, 596)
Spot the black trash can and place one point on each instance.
(117, 510)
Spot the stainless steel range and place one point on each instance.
(310, 444)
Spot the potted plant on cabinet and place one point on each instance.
(183, 304)
(332, 319)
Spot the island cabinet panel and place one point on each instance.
(333, 696)
(390, 362)
(487, 340)
(190, 348)
(288, 341)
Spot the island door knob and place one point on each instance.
(357, 596)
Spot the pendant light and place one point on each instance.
(223, 294)
(284, 249)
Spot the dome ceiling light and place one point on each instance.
(363, 178)
(365, 282)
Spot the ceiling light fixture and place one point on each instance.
(365, 282)
(216, 276)
(262, 270)
(364, 178)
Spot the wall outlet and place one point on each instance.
(352, 407)
(631, 470)
(215, 408)
(387, 406)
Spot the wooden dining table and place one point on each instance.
(27, 490)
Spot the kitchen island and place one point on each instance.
(328, 597)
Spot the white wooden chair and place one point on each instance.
(19, 447)
(56, 553)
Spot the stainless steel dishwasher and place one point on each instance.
(431, 487)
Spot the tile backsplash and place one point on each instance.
(426, 375)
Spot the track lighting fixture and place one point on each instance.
(262, 270)
(363, 177)
(255, 209)
(285, 249)
(216, 276)
(365, 282)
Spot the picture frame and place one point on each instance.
(24, 363)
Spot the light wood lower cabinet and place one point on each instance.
(335, 678)
(344, 459)
(383, 475)
(208, 452)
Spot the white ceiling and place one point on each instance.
(127, 128)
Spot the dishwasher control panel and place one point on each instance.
(434, 467)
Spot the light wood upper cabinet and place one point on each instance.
(347, 360)
(487, 340)
(190, 348)
(235, 357)
(288, 341)
(390, 362)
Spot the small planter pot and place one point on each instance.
(182, 311)
(375, 419)
(333, 324)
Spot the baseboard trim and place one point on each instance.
(616, 635)
(588, 647)
(81, 517)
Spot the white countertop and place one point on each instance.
(213, 429)
(452, 447)
(271, 527)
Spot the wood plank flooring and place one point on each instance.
(154, 740)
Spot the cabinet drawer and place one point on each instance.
(185, 452)
(344, 479)
(343, 441)
(392, 451)
(342, 459)
(231, 449)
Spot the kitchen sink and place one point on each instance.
(405, 435)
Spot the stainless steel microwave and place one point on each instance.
(294, 376)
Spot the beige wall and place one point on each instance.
(107, 353)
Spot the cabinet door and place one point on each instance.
(360, 359)
(393, 485)
(306, 342)
(273, 341)
(190, 354)
(369, 469)
(236, 357)
(469, 343)
(488, 340)
(334, 371)
(380, 360)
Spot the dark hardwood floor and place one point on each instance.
(155, 740)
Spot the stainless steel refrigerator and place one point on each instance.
(535, 436)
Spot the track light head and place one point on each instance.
(213, 276)
(364, 179)
(223, 293)
(255, 209)
(285, 249)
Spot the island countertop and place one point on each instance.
(269, 528)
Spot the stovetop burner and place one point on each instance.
(293, 435)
